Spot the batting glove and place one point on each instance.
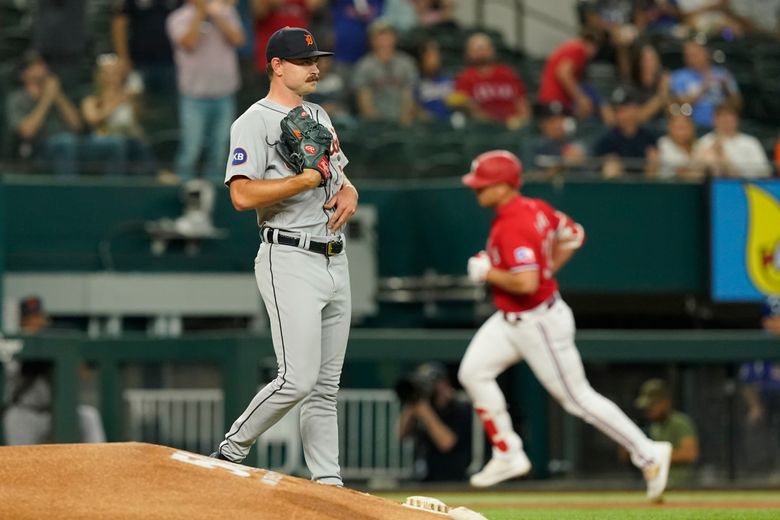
(569, 235)
(478, 267)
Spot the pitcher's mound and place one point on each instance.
(144, 481)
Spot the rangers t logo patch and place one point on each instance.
(239, 156)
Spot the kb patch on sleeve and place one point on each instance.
(524, 256)
(239, 156)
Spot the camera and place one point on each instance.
(419, 384)
(198, 197)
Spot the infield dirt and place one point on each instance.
(144, 481)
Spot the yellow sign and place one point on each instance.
(762, 251)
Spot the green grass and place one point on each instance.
(545, 505)
(630, 514)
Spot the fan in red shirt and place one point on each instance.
(529, 242)
(272, 15)
(563, 72)
(494, 91)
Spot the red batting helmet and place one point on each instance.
(493, 167)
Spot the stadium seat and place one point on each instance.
(588, 132)
(438, 149)
(13, 17)
(165, 144)
(603, 77)
(452, 61)
(766, 52)
(481, 138)
(531, 71)
(449, 36)
(671, 55)
(101, 13)
(353, 147)
(389, 158)
(443, 164)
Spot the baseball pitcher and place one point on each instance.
(287, 165)
(529, 242)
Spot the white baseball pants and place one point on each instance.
(544, 338)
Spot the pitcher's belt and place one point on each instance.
(290, 238)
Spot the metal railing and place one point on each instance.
(369, 445)
(523, 10)
(189, 419)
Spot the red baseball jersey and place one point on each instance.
(496, 92)
(521, 239)
(550, 88)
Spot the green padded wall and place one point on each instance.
(642, 236)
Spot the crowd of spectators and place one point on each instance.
(205, 35)
(396, 64)
(384, 79)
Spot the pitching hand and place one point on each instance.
(345, 202)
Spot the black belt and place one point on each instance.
(331, 248)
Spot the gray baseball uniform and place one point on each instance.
(306, 294)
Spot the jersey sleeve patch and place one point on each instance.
(524, 256)
(239, 156)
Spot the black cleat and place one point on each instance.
(218, 455)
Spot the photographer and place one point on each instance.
(439, 421)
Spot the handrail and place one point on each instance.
(547, 19)
(523, 10)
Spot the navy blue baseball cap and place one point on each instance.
(293, 43)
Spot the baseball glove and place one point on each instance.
(305, 143)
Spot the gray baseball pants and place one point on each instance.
(307, 296)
